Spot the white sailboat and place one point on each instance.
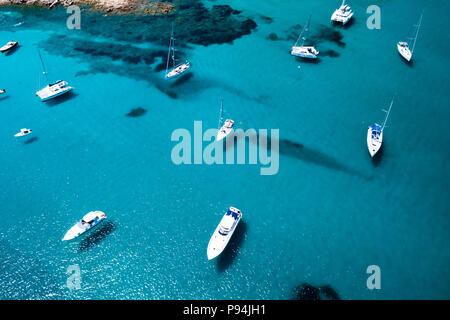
(304, 51)
(403, 47)
(176, 70)
(375, 134)
(343, 14)
(52, 90)
(226, 128)
(223, 232)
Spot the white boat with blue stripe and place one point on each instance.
(88, 222)
(304, 51)
(223, 232)
(375, 134)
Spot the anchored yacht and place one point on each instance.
(227, 126)
(176, 69)
(304, 51)
(225, 129)
(343, 14)
(54, 90)
(375, 134)
(9, 46)
(403, 47)
(23, 132)
(88, 222)
(223, 232)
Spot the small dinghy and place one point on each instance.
(23, 132)
(9, 46)
(88, 222)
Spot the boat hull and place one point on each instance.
(60, 93)
(404, 52)
(303, 52)
(77, 229)
(218, 242)
(177, 71)
(223, 134)
(373, 145)
(8, 47)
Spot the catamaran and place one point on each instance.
(23, 132)
(375, 134)
(304, 51)
(343, 14)
(89, 221)
(52, 90)
(176, 70)
(403, 47)
(223, 232)
(227, 126)
(9, 46)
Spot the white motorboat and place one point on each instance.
(176, 70)
(23, 132)
(9, 46)
(304, 51)
(52, 90)
(403, 47)
(343, 14)
(223, 232)
(375, 134)
(2, 91)
(89, 221)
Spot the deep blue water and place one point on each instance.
(329, 213)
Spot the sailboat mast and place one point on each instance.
(43, 66)
(173, 48)
(387, 115)
(417, 33)
(221, 113)
(168, 52)
(301, 33)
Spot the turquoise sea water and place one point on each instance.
(328, 214)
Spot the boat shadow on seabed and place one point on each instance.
(225, 260)
(309, 292)
(97, 236)
(60, 99)
(376, 160)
